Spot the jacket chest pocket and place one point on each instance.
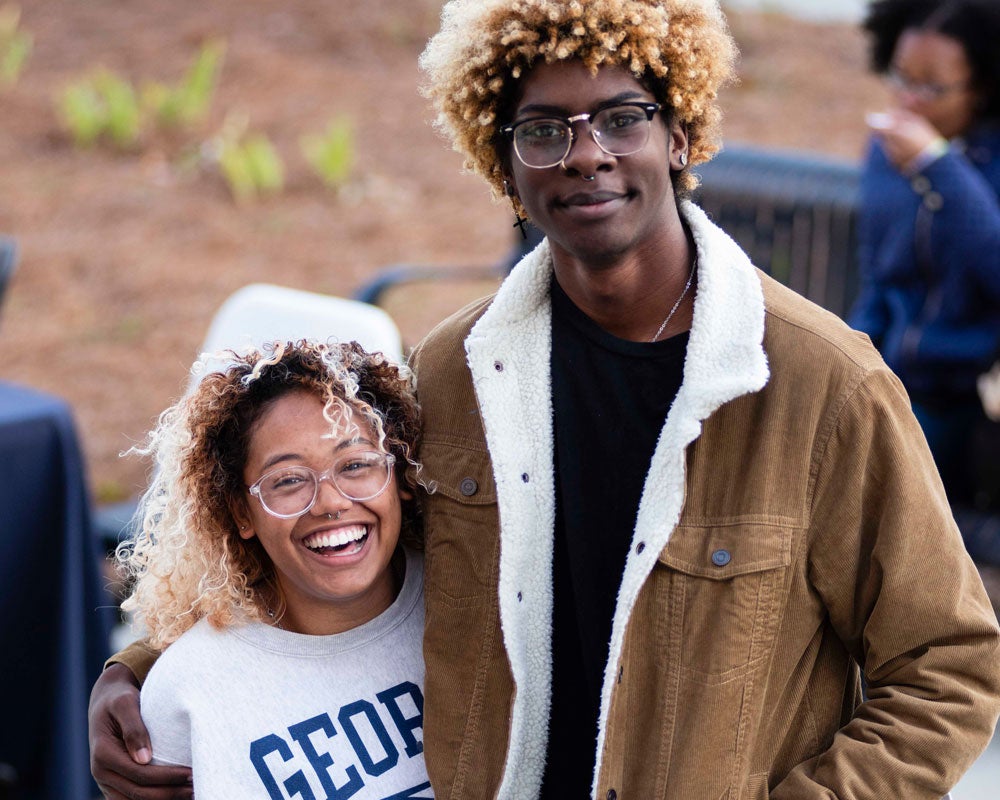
(461, 523)
(724, 592)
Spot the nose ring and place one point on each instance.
(589, 177)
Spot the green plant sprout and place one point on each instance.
(331, 154)
(249, 162)
(82, 113)
(123, 119)
(102, 104)
(15, 45)
(190, 100)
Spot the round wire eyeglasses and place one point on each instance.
(289, 492)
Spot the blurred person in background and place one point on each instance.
(929, 229)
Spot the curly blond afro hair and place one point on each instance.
(680, 50)
(187, 559)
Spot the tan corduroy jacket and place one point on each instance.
(792, 526)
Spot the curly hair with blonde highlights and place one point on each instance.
(187, 560)
(680, 50)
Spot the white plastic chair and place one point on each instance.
(262, 312)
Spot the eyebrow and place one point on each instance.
(343, 445)
(623, 97)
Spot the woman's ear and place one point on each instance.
(242, 519)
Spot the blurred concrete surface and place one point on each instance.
(982, 782)
(818, 10)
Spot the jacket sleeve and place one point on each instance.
(906, 600)
(965, 231)
(139, 657)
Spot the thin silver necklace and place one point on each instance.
(694, 266)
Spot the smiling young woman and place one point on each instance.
(271, 575)
(330, 551)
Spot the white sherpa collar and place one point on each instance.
(509, 358)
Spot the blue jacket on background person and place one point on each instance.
(929, 248)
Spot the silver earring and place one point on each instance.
(684, 159)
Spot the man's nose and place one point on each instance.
(585, 155)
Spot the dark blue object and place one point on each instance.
(930, 263)
(55, 619)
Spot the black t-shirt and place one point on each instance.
(610, 398)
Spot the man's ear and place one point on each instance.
(678, 153)
(509, 187)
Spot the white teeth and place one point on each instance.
(335, 539)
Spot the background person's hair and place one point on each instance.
(680, 50)
(187, 560)
(973, 23)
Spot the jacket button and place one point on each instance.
(920, 184)
(721, 557)
(468, 487)
(498, 366)
(525, 477)
(933, 201)
(612, 794)
(640, 547)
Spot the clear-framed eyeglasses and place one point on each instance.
(619, 130)
(289, 492)
(927, 91)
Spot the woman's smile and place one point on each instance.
(346, 541)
